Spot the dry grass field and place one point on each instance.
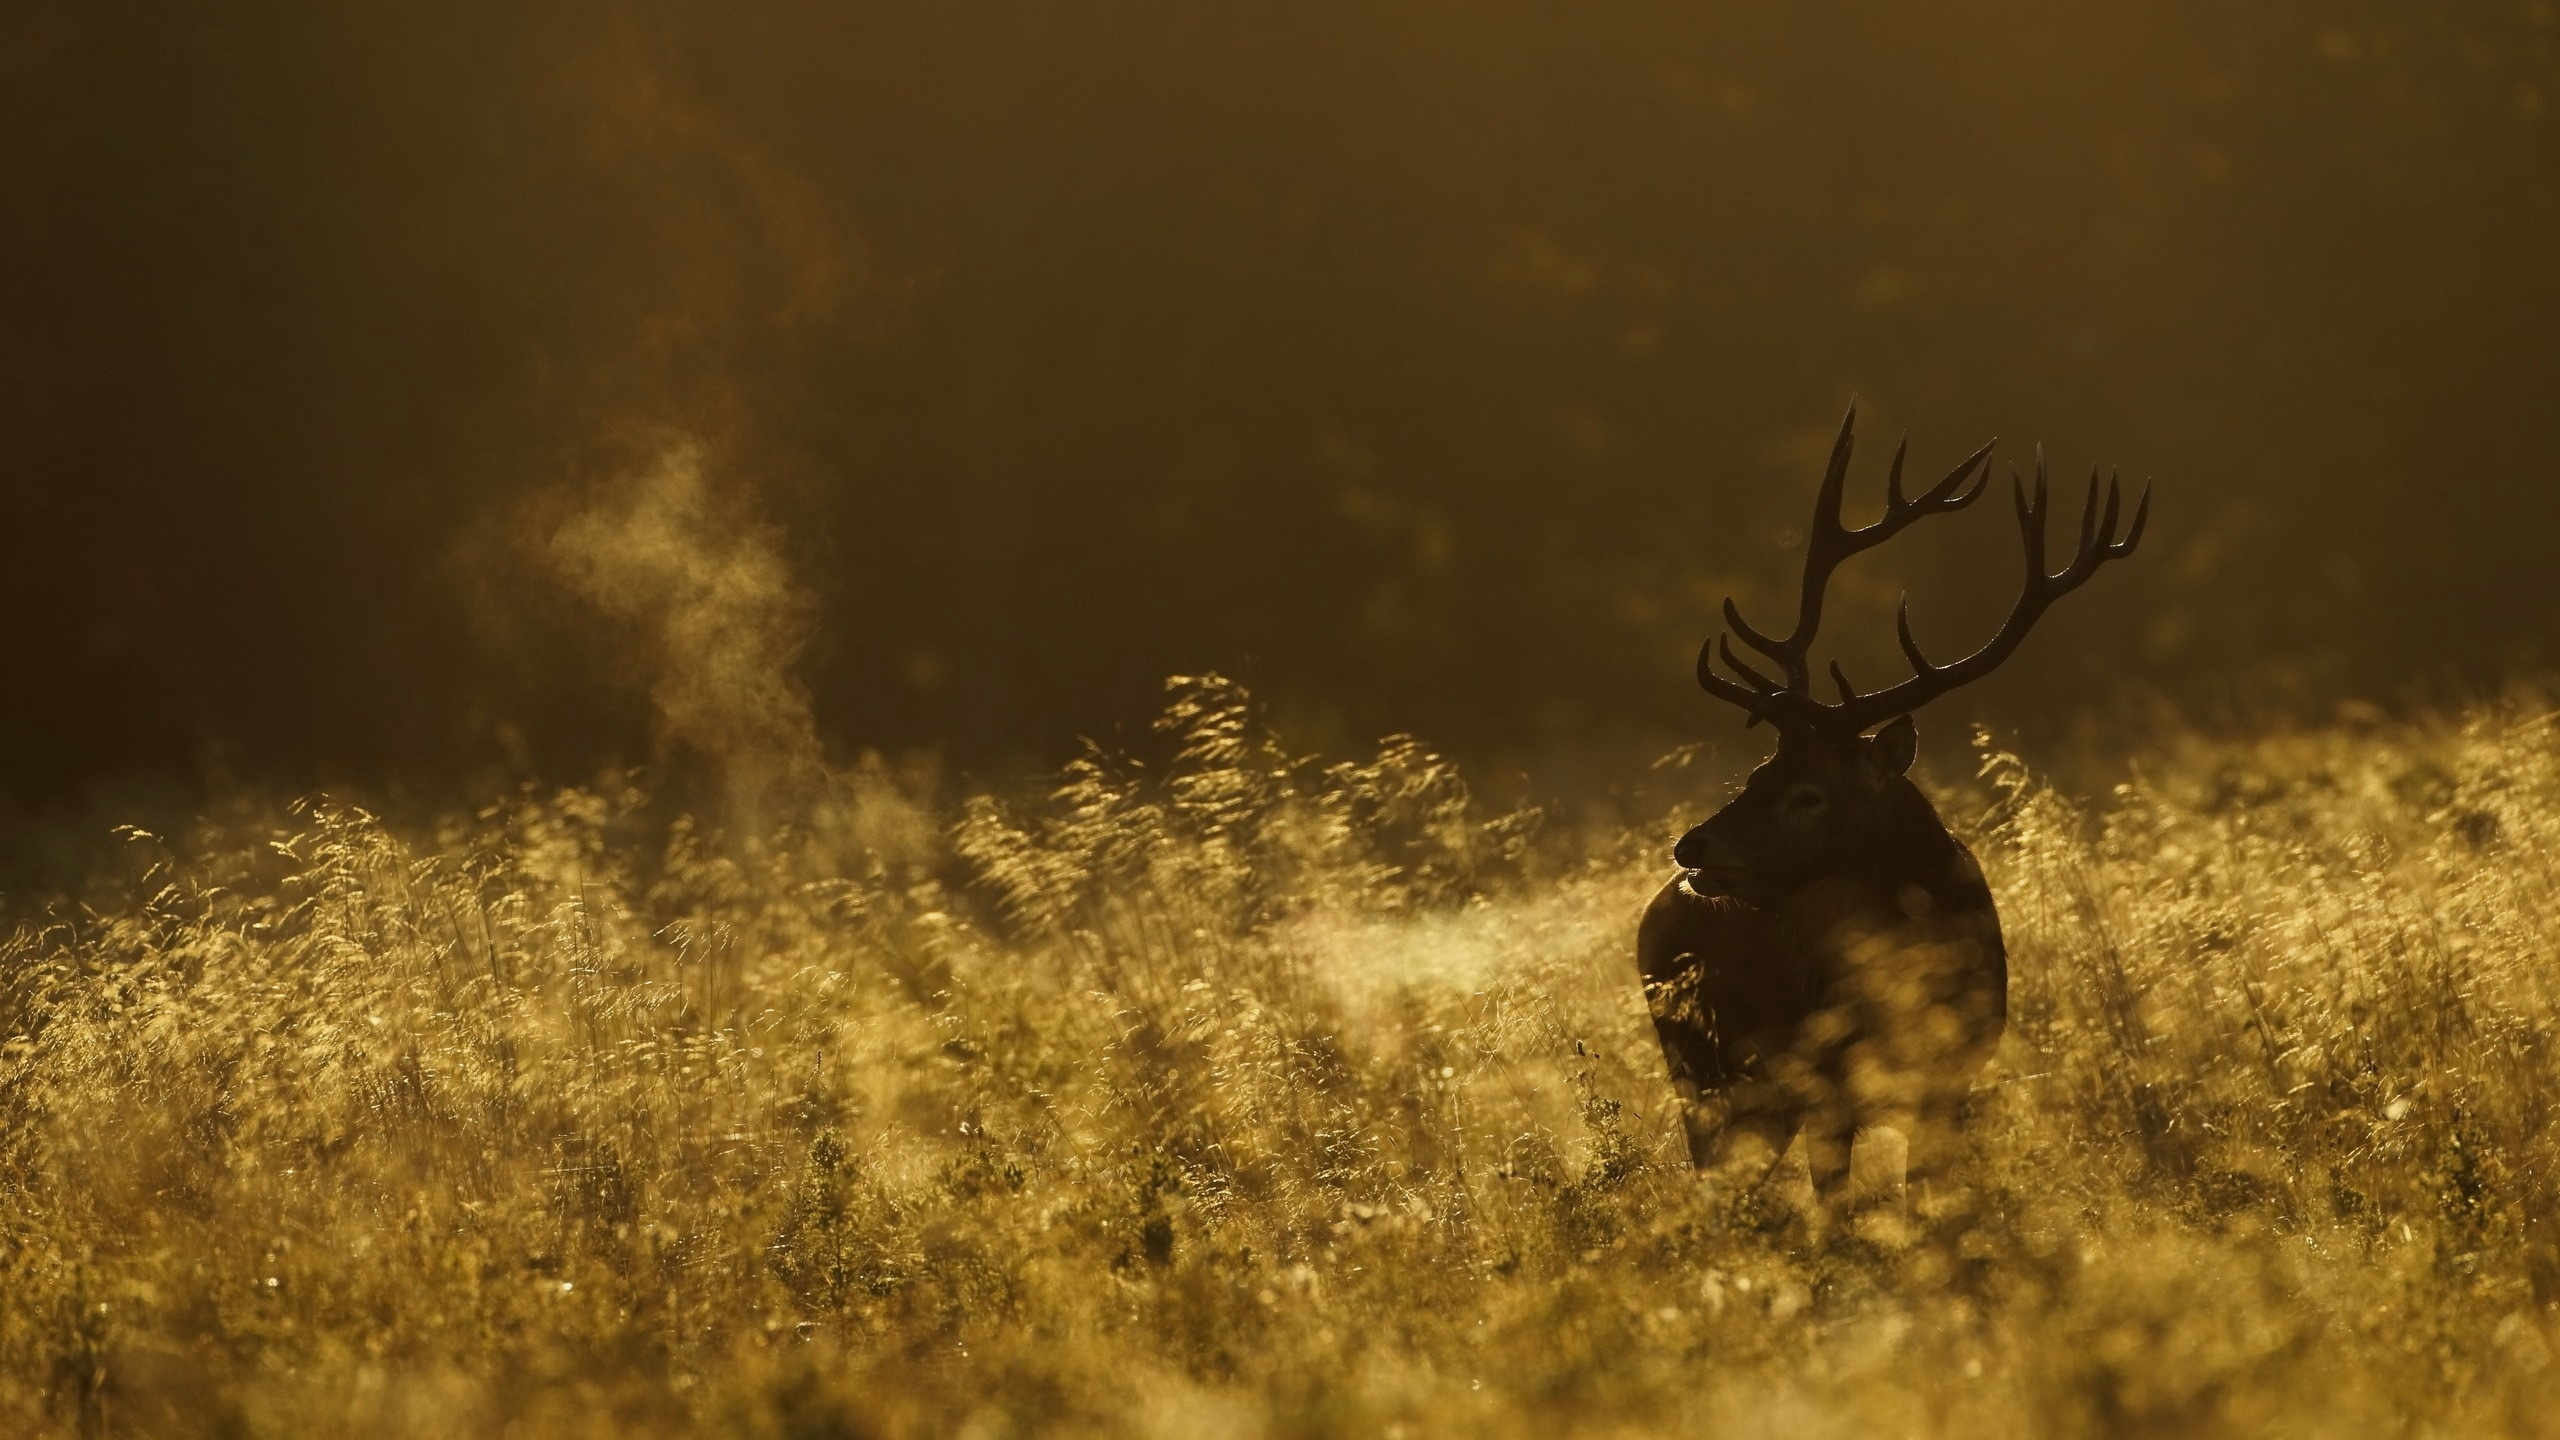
(1247, 1095)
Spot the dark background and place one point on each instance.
(1433, 366)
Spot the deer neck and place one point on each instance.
(1909, 845)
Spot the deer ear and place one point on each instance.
(1889, 751)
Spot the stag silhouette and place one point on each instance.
(1829, 957)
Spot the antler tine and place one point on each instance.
(1920, 665)
(2133, 532)
(1761, 698)
(1840, 677)
(2089, 523)
(2106, 533)
(2097, 537)
(1942, 499)
(1835, 480)
(1735, 663)
(1893, 477)
(1774, 649)
(2032, 510)
(1826, 545)
(1726, 690)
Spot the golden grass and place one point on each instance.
(1247, 1096)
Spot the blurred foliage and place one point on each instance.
(1434, 366)
(1239, 1093)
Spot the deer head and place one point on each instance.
(1835, 797)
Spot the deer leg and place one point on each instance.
(1830, 1123)
(1827, 1140)
(1737, 1149)
(1936, 1150)
(1750, 1145)
(1747, 1134)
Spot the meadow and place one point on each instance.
(1238, 1093)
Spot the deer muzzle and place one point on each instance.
(1710, 859)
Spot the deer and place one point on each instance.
(1828, 957)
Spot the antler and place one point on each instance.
(2099, 544)
(1828, 544)
(1790, 703)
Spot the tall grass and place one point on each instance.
(1245, 1095)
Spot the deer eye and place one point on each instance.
(1802, 802)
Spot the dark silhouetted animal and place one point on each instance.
(1828, 957)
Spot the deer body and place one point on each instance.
(1864, 984)
(1828, 956)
